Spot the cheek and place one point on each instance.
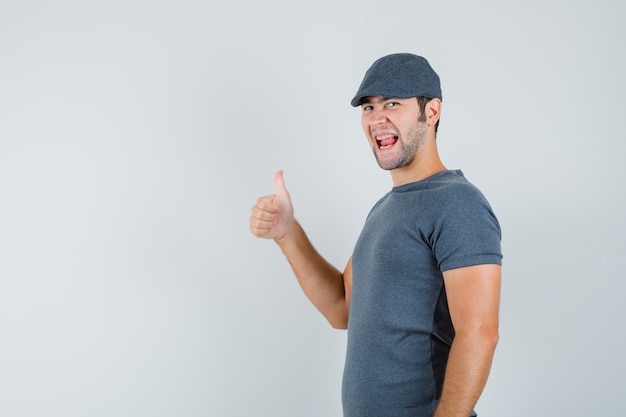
(366, 129)
(364, 124)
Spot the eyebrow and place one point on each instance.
(368, 100)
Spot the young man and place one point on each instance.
(420, 294)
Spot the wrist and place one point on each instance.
(288, 234)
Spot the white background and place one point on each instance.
(136, 135)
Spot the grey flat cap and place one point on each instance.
(399, 76)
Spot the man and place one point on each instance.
(420, 294)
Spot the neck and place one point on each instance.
(425, 164)
(400, 178)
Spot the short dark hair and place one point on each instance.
(422, 102)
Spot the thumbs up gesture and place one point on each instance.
(272, 215)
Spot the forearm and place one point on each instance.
(467, 370)
(321, 282)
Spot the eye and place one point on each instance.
(366, 107)
(390, 104)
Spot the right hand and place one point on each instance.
(272, 215)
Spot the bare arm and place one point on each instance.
(327, 288)
(473, 299)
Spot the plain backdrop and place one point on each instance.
(136, 135)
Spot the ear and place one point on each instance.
(433, 111)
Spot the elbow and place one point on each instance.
(340, 326)
(494, 339)
(337, 316)
(339, 322)
(484, 337)
(491, 338)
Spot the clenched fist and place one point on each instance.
(272, 215)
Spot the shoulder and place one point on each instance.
(465, 230)
(381, 202)
(452, 191)
(458, 206)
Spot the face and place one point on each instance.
(394, 129)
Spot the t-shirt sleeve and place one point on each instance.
(467, 232)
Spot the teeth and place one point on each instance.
(383, 137)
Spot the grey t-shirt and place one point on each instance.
(399, 330)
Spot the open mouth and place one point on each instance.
(386, 141)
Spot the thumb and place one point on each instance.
(279, 184)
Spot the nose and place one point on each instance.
(376, 117)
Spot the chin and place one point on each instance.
(387, 167)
